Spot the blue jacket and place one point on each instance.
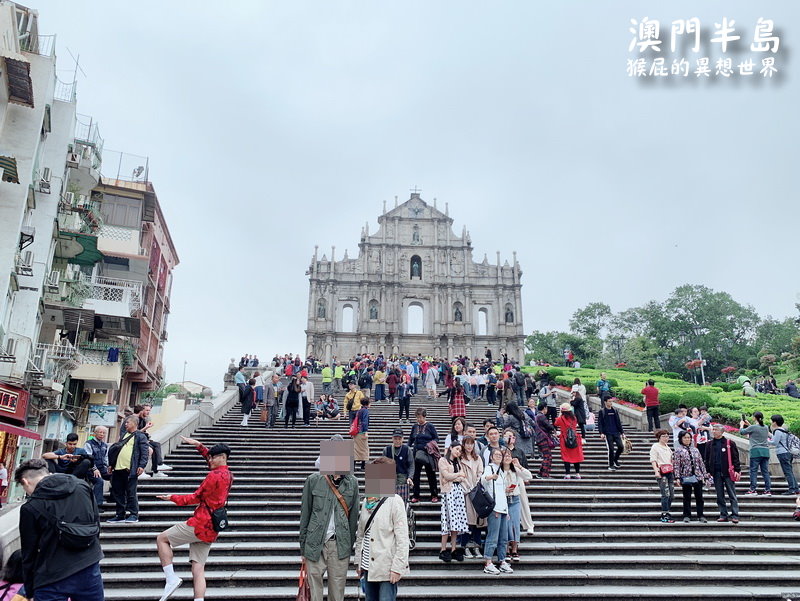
(99, 452)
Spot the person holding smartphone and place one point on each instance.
(514, 476)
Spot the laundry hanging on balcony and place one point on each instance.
(8, 165)
(113, 354)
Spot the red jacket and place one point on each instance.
(213, 494)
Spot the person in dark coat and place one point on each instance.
(721, 457)
(292, 401)
(51, 569)
(127, 468)
(610, 428)
(247, 397)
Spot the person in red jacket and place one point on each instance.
(198, 531)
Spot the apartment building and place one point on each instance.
(86, 257)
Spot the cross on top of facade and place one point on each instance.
(415, 190)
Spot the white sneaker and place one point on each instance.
(144, 475)
(530, 531)
(489, 568)
(164, 467)
(505, 568)
(159, 475)
(170, 588)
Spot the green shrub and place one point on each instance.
(734, 386)
(656, 373)
(752, 363)
(697, 398)
(555, 372)
(591, 387)
(587, 366)
(669, 401)
(795, 428)
(613, 382)
(672, 375)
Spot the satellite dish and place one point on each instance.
(138, 171)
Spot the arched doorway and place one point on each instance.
(415, 319)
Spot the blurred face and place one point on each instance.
(397, 441)
(100, 434)
(507, 459)
(455, 451)
(686, 439)
(716, 433)
(469, 446)
(695, 412)
(71, 446)
(471, 431)
(458, 426)
(663, 439)
(493, 436)
(510, 438)
(497, 456)
(420, 419)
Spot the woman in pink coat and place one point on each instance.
(569, 434)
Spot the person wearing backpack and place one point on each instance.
(570, 441)
(59, 529)
(127, 461)
(780, 440)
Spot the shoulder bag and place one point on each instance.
(482, 501)
(339, 496)
(732, 473)
(219, 517)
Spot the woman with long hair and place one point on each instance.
(572, 456)
(458, 407)
(579, 411)
(690, 471)
(497, 527)
(472, 465)
(457, 432)
(545, 440)
(454, 510)
(392, 380)
(526, 521)
(291, 401)
(514, 475)
(759, 453)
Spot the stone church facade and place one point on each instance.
(414, 288)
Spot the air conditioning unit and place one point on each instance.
(44, 181)
(69, 198)
(11, 347)
(73, 159)
(24, 263)
(53, 281)
(81, 200)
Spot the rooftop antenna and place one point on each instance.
(77, 60)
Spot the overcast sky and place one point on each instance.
(275, 126)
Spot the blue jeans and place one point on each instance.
(666, 485)
(761, 463)
(379, 591)
(514, 509)
(97, 489)
(85, 585)
(496, 536)
(786, 466)
(326, 388)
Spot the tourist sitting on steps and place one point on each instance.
(71, 459)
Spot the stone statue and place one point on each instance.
(321, 309)
(415, 235)
(415, 269)
(509, 316)
(373, 310)
(458, 315)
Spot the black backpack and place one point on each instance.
(571, 439)
(74, 535)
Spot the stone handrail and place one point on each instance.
(196, 416)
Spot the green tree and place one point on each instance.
(590, 320)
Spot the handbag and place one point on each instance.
(482, 501)
(665, 468)
(733, 474)
(627, 445)
(354, 427)
(264, 415)
(304, 588)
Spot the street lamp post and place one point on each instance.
(702, 371)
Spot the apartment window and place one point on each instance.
(121, 211)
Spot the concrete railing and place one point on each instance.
(197, 416)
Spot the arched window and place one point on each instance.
(415, 319)
(373, 309)
(348, 319)
(416, 267)
(322, 309)
(458, 312)
(483, 322)
(509, 313)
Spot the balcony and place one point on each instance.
(112, 296)
(118, 240)
(96, 370)
(77, 214)
(48, 368)
(85, 155)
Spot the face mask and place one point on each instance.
(371, 502)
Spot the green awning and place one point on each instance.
(78, 248)
(9, 167)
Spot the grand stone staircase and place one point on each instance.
(595, 538)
